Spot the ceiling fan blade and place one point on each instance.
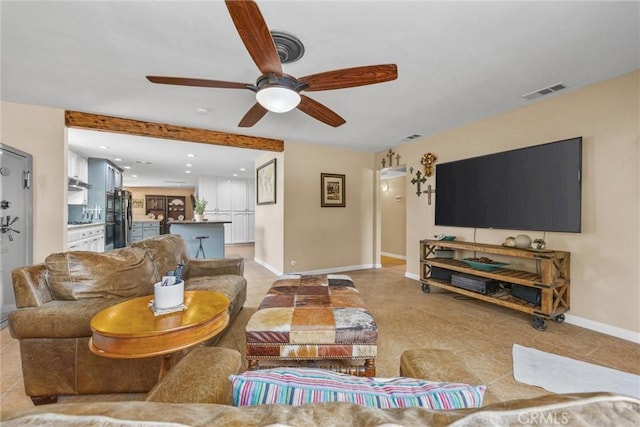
(320, 112)
(253, 115)
(255, 35)
(185, 81)
(350, 77)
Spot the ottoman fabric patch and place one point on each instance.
(312, 316)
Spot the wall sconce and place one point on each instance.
(385, 187)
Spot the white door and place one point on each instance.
(16, 207)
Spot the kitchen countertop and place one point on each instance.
(75, 226)
(199, 222)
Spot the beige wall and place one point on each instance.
(269, 221)
(40, 131)
(141, 192)
(329, 238)
(605, 272)
(393, 212)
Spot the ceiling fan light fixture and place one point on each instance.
(278, 99)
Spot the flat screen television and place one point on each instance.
(535, 188)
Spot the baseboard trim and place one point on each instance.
(322, 271)
(268, 266)
(336, 270)
(390, 255)
(603, 328)
(411, 276)
(614, 331)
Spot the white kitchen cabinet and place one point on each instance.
(86, 238)
(239, 195)
(230, 200)
(243, 226)
(77, 168)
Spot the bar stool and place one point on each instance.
(200, 248)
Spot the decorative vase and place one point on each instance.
(510, 241)
(199, 217)
(523, 241)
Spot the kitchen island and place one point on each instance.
(213, 246)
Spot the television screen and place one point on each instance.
(535, 188)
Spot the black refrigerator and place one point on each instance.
(123, 217)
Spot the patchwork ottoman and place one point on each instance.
(313, 318)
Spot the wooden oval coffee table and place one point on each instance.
(130, 330)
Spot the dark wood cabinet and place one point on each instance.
(176, 208)
(156, 205)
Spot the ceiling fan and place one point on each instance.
(276, 91)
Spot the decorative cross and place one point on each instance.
(417, 180)
(429, 191)
(398, 160)
(390, 155)
(384, 163)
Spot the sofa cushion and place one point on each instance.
(124, 273)
(166, 251)
(297, 386)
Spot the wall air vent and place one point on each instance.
(410, 137)
(544, 91)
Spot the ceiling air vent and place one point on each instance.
(410, 137)
(544, 91)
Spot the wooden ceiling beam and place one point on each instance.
(75, 119)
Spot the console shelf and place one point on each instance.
(552, 277)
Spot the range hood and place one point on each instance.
(74, 184)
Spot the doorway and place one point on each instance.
(393, 216)
(16, 225)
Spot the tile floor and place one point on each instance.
(480, 334)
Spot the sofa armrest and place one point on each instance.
(441, 366)
(202, 376)
(30, 286)
(215, 267)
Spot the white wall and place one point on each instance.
(40, 131)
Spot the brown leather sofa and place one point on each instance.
(56, 300)
(196, 392)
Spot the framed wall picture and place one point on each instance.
(332, 190)
(266, 183)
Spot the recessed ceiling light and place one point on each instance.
(134, 176)
(117, 159)
(103, 147)
(126, 167)
(189, 165)
(242, 169)
(187, 171)
(191, 155)
(202, 111)
(235, 174)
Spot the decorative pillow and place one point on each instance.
(297, 386)
(125, 273)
